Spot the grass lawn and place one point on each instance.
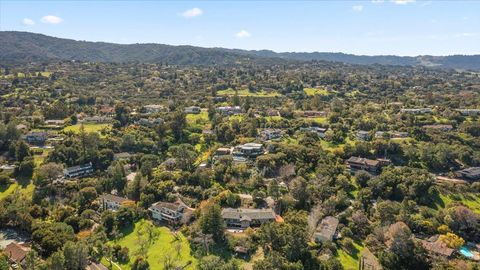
(24, 186)
(319, 120)
(165, 244)
(89, 127)
(315, 91)
(246, 93)
(472, 201)
(198, 120)
(349, 261)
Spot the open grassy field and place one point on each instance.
(164, 245)
(349, 261)
(198, 120)
(246, 93)
(315, 91)
(89, 127)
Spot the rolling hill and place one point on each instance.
(22, 47)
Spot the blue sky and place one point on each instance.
(401, 27)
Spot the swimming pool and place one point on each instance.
(466, 252)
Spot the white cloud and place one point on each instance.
(243, 34)
(357, 8)
(28, 21)
(51, 19)
(460, 35)
(378, 1)
(403, 2)
(190, 13)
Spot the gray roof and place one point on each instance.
(113, 198)
(79, 167)
(327, 227)
(247, 213)
(176, 206)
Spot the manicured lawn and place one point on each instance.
(89, 127)
(319, 120)
(245, 93)
(349, 261)
(165, 244)
(315, 91)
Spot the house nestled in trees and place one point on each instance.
(36, 137)
(326, 230)
(16, 254)
(173, 213)
(112, 202)
(229, 110)
(472, 173)
(248, 150)
(244, 217)
(365, 164)
(417, 111)
(78, 171)
(192, 110)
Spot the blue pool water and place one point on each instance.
(466, 252)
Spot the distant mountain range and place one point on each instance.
(22, 47)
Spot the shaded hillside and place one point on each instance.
(21, 47)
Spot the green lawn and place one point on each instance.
(349, 261)
(89, 127)
(25, 188)
(245, 93)
(198, 120)
(472, 201)
(165, 244)
(315, 91)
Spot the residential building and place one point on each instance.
(223, 151)
(57, 123)
(270, 134)
(107, 111)
(193, 110)
(368, 261)
(314, 114)
(112, 202)
(16, 254)
(146, 122)
(472, 173)
(398, 134)
(248, 150)
(469, 112)
(97, 119)
(36, 137)
(229, 110)
(122, 156)
(78, 171)
(417, 111)
(153, 108)
(365, 164)
(326, 230)
(363, 135)
(245, 217)
(437, 247)
(318, 130)
(440, 127)
(169, 212)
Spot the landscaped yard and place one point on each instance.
(26, 187)
(89, 127)
(472, 201)
(315, 91)
(245, 93)
(349, 261)
(198, 120)
(165, 245)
